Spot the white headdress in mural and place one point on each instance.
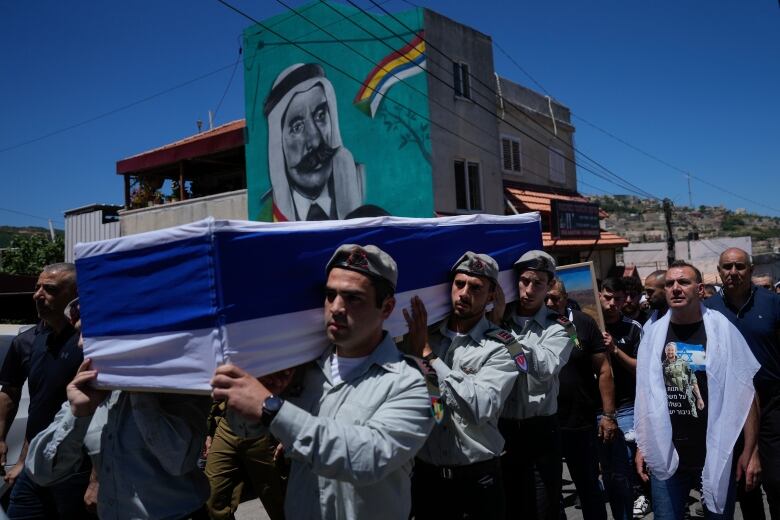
(347, 177)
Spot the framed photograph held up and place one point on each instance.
(582, 289)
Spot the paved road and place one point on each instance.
(253, 510)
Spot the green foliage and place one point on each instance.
(732, 222)
(29, 253)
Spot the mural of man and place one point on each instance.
(313, 176)
(678, 373)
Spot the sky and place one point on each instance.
(682, 86)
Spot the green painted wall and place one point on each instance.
(390, 148)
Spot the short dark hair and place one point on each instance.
(683, 263)
(382, 288)
(613, 284)
(632, 284)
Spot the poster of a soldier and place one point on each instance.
(680, 378)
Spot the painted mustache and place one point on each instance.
(313, 161)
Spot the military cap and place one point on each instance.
(476, 264)
(369, 260)
(536, 260)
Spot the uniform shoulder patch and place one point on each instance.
(501, 335)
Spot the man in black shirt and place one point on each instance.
(686, 348)
(631, 307)
(47, 357)
(656, 297)
(585, 383)
(621, 338)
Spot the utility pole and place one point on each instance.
(669, 232)
(690, 203)
(690, 195)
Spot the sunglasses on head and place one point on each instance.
(73, 311)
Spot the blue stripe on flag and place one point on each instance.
(169, 287)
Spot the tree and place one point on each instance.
(28, 254)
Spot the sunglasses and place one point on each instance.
(731, 265)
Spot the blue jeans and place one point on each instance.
(617, 465)
(670, 496)
(65, 500)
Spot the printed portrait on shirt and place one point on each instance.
(680, 363)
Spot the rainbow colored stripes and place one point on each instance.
(395, 67)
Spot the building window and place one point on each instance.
(557, 166)
(468, 186)
(510, 154)
(461, 79)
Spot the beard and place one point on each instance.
(315, 159)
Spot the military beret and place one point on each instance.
(536, 260)
(369, 260)
(476, 264)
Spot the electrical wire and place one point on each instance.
(116, 110)
(619, 180)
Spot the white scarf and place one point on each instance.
(730, 370)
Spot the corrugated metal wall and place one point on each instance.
(87, 227)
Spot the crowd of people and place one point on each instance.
(470, 417)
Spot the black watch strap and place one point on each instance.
(271, 407)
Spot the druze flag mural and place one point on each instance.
(337, 115)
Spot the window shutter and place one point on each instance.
(506, 153)
(516, 156)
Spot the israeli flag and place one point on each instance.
(161, 310)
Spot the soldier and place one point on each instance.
(470, 377)
(362, 412)
(529, 422)
(233, 463)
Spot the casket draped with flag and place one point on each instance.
(161, 310)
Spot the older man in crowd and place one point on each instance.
(362, 412)
(47, 357)
(756, 313)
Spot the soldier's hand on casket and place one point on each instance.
(82, 396)
(243, 393)
(496, 314)
(417, 321)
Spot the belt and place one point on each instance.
(465, 471)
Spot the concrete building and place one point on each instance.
(457, 139)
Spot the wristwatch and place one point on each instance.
(430, 357)
(271, 407)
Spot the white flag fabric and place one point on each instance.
(161, 310)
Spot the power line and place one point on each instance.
(17, 212)
(322, 60)
(621, 182)
(230, 82)
(116, 110)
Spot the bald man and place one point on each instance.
(756, 313)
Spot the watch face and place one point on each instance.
(272, 404)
